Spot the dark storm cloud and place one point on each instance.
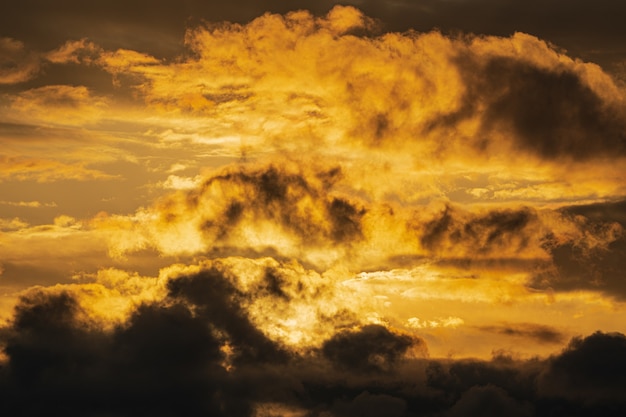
(489, 401)
(591, 370)
(168, 359)
(371, 348)
(579, 264)
(552, 113)
(163, 362)
(218, 302)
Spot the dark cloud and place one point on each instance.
(163, 362)
(539, 332)
(590, 371)
(169, 359)
(583, 263)
(614, 211)
(488, 401)
(278, 195)
(453, 378)
(551, 112)
(370, 405)
(480, 234)
(371, 348)
(218, 302)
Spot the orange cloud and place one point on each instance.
(45, 170)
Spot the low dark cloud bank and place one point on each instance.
(170, 359)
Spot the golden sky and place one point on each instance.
(384, 208)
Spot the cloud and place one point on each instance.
(588, 370)
(591, 258)
(58, 104)
(257, 208)
(21, 64)
(12, 224)
(45, 170)
(310, 213)
(567, 118)
(175, 182)
(371, 348)
(74, 52)
(492, 232)
(489, 400)
(17, 64)
(385, 195)
(465, 96)
(217, 301)
(188, 353)
(366, 404)
(31, 204)
(539, 332)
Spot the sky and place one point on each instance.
(313, 208)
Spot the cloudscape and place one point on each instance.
(306, 208)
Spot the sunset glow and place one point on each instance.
(313, 209)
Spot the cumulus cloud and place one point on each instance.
(419, 92)
(585, 371)
(312, 214)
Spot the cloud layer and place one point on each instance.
(306, 214)
(196, 351)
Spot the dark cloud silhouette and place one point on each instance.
(551, 112)
(538, 332)
(587, 378)
(590, 370)
(168, 359)
(584, 264)
(163, 362)
(488, 401)
(371, 348)
(218, 302)
(601, 212)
